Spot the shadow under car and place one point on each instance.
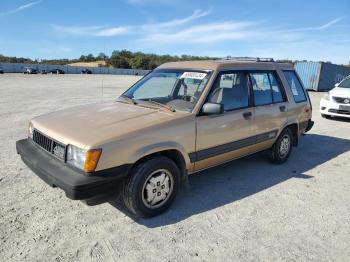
(244, 177)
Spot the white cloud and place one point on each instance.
(205, 33)
(321, 27)
(233, 31)
(329, 24)
(19, 9)
(101, 31)
(182, 30)
(178, 22)
(106, 31)
(253, 38)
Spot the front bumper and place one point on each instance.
(331, 108)
(76, 184)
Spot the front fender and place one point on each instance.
(158, 147)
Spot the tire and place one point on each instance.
(281, 149)
(151, 187)
(325, 116)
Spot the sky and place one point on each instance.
(290, 29)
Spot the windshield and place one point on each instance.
(176, 89)
(345, 83)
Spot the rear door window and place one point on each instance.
(295, 86)
(266, 88)
(261, 88)
(277, 94)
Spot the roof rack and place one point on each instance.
(246, 58)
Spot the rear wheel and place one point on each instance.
(151, 187)
(281, 149)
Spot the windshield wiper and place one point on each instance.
(170, 108)
(131, 100)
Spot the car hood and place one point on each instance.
(93, 124)
(338, 91)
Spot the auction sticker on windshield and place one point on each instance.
(194, 75)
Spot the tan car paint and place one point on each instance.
(91, 125)
(178, 134)
(128, 132)
(125, 132)
(221, 129)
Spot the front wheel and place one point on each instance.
(325, 116)
(151, 187)
(281, 149)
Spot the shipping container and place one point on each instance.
(320, 76)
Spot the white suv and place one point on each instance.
(337, 101)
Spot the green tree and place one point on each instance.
(118, 61)
(82, 58)
(140, 61)
(90, 58)
(101, 56)
(125, 53)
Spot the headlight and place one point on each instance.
(83, 159)
(30, 130)
(76, 156)
(326, 96)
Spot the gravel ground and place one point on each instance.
(247, 210)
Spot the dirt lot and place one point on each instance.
(248, 210)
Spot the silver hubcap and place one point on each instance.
(157, 188)
(284, 146)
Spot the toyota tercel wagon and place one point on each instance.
(181, 118)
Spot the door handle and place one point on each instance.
(283, 108)
(247, 115)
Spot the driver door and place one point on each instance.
(223, 137)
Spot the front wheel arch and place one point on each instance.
(173, 154)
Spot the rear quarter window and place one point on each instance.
(295, 86)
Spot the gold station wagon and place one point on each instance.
(181, 118)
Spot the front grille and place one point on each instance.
(341, 100)
(341, 112)
(42, 141)
(50, 145)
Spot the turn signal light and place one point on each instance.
(91, 159)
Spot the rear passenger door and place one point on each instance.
(270, 106)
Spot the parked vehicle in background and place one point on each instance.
(30, 71)
(181, 118)
(337, 101)
(86, 71)
(57, 71)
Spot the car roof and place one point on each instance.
(227, 64)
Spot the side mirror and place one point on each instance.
(212, 109)
(336, 85)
